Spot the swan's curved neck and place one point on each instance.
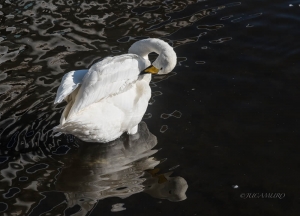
(144, 47)
(166, 60)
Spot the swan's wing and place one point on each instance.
(69, 83)
(106, 78)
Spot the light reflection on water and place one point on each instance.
(87, 172)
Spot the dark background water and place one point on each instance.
(235, 86)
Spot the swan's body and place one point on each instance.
(112, 96)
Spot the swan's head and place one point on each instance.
(166, 60)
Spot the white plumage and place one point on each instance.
(69, 83)
(112, 96)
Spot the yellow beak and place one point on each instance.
(151, 69)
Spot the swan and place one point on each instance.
(112, 96)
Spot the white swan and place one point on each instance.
(112, 96)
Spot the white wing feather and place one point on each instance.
(69, 83)
(107, 78)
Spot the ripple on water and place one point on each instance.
(163, 128)
(11, 192)
(61, 150)
(23, 178)
(246, 17)
(147, 116)
(37, 167)
(221, 40)
(226, 17)
(210, 27)
(3, 207)
(174, 167)
(154, 94)
(3, 159)
(176, 114)
(160, 78)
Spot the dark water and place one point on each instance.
(225, 121)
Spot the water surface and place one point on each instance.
(226, 118)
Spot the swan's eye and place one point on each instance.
(161, 68)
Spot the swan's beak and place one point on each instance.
(150, 69)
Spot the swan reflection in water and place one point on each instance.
(117, 169)
(71, 177)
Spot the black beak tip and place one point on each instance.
(143, 72)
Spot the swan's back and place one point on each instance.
(106, 78)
